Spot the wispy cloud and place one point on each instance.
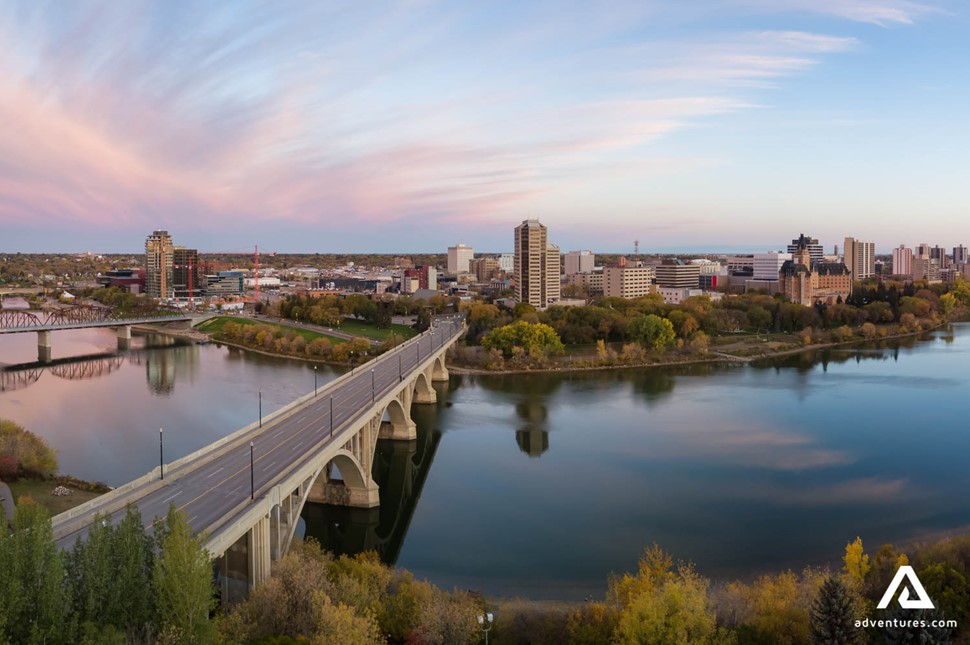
(884, 13)
(206, 115)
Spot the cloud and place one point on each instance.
(192, 116)
(884, 13)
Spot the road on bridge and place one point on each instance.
(208, 490)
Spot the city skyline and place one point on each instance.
(403, 127)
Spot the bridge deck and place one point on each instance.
(121, 322)
(213, 485)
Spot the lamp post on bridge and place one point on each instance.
(373, 386)
(161, 455)
(400, 368)
(314, 380)
(331, 415)
(260, 408)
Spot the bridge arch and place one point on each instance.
(423, 392)
(399, 426)
(13, 318)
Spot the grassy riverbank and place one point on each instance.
(41, 491)
(359, 328)
(737, 349)
(216, 326)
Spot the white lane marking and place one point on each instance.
(172, 497)
(269, 465)
(215, 472)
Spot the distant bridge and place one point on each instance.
(245, 491)
(15, 321)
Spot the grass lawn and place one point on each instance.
(40, 491)
(215, 325)
(360, 328)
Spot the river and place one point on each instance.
(541, 485)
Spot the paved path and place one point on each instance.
(6, 500)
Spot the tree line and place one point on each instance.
(122, 584)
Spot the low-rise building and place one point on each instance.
(926, 268)
(224, 283)
(628, 281)
(676, 295)
(591, 283)
(677, 275)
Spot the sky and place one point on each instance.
(413, 125)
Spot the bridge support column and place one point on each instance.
(44, 346)
(124, 337)
(260, 551)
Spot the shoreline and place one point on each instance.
(711, 357)
(305, 359)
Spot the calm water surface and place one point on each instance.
(542, 485)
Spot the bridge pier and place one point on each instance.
(260, 551)
(44, 346)
(342, 493)
(124, 337)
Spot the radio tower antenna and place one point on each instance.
(257, 273)
(636, 248)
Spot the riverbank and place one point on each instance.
(57, 494)
(712, 356)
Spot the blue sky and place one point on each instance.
(410, 126)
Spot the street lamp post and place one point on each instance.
(260, 408)
(485, 622)
(161, 455)
(400, 368)
(331, 415)
(252, 471)
(314, 380)
(373, 386)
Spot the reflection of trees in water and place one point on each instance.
(400, 470)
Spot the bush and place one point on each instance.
(29, 453)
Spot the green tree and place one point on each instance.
(36, 603)
(182, 582)
(536, 339)
(651, 331)
(949, 590)
(832, 618)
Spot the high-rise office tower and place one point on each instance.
(159, 258)
(536, 266)
(185, 273)
(458, 258)
(961, 255)
(815, 251)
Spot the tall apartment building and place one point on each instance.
(938, 253)
(185, 273)
(860, 258)
(458, 258)
(578, 262)
(902, 260)
(159, 258)
(537, 265)
(628, 281)
(923, 250)
(676, 275)
(422, 277)
(767, 265)
(815, 250)
(961, 255)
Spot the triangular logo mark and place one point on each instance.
(922, 598)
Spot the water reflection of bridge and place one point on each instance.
(400, 469)
(159, 366)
